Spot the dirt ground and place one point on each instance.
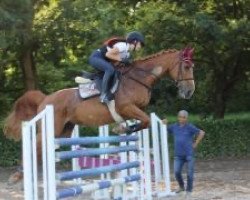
(214, 180)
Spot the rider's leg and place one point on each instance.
(105, 84)
(100, 63)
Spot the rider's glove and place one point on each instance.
(126, 61)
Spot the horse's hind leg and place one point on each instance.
(59, 126)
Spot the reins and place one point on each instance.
(138, 81)
(149, 88)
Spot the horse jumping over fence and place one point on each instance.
(133, 177)
(132, 96)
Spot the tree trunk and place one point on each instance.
(219, 105)
(2, 69)
(28, 68)
(26, 52)
(219, 95)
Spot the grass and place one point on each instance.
(242, 115)
(229, 116)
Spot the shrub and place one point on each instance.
(224, 138)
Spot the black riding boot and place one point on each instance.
(105, 88)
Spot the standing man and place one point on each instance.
(184, 145)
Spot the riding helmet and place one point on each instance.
(135, 36)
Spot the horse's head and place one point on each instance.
(182, 73)
(177, 64)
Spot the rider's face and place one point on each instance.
(136, 46)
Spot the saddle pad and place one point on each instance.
(87, 90)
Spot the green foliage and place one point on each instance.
(227, 138)
(64, 33)
(10, 151)
(48, 73)
(224, 138)
(219, 31)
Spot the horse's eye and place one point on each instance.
(187, 67)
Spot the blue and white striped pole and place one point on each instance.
(77, 190)
(96, 171)
(94, 140)
(93, 152)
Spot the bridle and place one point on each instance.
(175, 82)
(180, 75)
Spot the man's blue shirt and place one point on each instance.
(183, 138)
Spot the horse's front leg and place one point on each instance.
(133, 112)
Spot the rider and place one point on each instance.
(115, 49)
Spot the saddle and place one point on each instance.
(90, 84)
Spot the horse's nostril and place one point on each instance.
(189, 93)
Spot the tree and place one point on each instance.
(17, 19)
(219, 32)
(222, 33)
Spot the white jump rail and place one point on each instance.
(159, 163)
(144, 190)
(46, 120)
(160, 158)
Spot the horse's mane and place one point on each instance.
(157, 54)
(147, 58)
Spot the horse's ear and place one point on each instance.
(187, 52)
(184, 51)
(190, 52)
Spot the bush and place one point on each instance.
(224, 138)
(10, 151)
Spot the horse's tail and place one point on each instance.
(24, 109)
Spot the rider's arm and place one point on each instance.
(113, 54)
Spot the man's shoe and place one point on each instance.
(179, 190)
(188, 195)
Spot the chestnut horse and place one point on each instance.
(132, 96)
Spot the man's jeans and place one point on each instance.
(179, 161)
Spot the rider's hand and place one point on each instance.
(127, 61)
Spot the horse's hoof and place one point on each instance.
(119, 129)
(15, 178)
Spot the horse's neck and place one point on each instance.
(142, 74)
(149, 71)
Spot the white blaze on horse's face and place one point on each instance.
(186, 83)
(183, 74)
